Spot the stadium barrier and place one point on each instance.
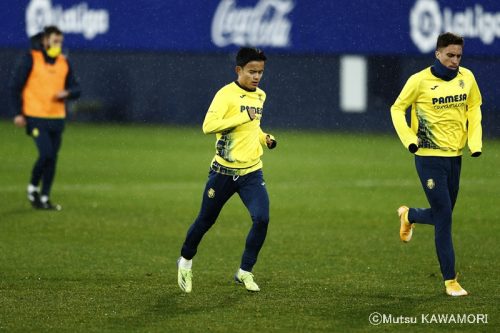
(304, 92)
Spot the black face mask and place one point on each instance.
(443, 72)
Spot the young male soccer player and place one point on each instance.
(234, 117)
(445, 113)
(40, 87)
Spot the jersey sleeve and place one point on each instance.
(17, 81)
(72, 84)
(398, 111)
(214, 120)
(262, 137)
(474, 131)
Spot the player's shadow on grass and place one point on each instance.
(388, 303)
(18, 211)
(172, 306)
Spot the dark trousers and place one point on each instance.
(219, 188)
(440, 178)
(47, 134)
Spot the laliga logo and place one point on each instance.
(427, 22)
(78, 19)
(264, 25)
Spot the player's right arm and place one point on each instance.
(474, 130)
(16, 85)
(398, 111)
(214, 120)
(72, 88)
(267, 139)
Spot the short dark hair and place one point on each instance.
(36, 41)
(51, 29)
(247, 54)
(449, 38)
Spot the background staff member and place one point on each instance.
(40, 86)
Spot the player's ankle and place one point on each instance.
(32, 188)
(185, 263)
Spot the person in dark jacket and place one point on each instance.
(40, 86)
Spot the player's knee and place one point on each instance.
(442, 212)
(261, 219)
(205, 221)
(445, 215)
(442, 227)
(44, 159)
(48, 156)
(49, 161)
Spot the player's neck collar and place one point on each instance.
(246, 89)
(443, 72)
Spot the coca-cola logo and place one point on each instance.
(265, 24)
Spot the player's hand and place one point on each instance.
(271, 144)
(20, 120)
(476, 154)
(62, 95)
(414, 147)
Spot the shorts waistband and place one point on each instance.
(224, 170)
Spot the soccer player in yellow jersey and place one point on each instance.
(445, 114)
(234, 117)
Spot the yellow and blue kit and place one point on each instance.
(236, 168)
(239, 139)
(445, 114)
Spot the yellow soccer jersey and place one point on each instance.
(444, 114)
(239, 139)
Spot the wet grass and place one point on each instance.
(332, 256)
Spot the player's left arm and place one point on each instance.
(72, 88)
(474, 131)
(406, 98)
(267, 139)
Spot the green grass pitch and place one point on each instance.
(106, 263)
